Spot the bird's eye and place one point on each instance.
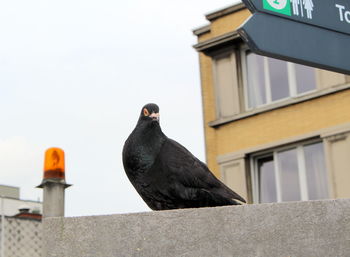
(145, 112)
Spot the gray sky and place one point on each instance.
(75, 74)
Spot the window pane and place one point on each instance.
(267, 180)
(316, 175)
(289, 175)
(278, 79)
(256, 80)
(305, 78)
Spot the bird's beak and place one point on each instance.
(155, 116)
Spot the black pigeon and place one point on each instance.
(165, 174)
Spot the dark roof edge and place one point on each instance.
(201, 30)
(213, 42)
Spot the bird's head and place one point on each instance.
(150, 112)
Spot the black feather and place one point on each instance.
(166, 174)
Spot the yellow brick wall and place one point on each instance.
(225, 25)
(218, 27)
(228, 23)
(209, 109)
(204, 37)
(279, 124)
(291, 121)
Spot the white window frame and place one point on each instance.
(292, 82)
(301, 168)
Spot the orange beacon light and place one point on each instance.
(54, 164)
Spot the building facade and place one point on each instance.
(20, 225)
(274, 131)
(10, 201)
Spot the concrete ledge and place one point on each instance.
(314, 228)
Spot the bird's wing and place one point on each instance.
(183, 167)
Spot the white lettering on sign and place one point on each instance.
(342, 13)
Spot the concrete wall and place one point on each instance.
(22, 237)
(314, 228)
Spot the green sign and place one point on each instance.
(280, 6)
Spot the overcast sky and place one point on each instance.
(75, 74)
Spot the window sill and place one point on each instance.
(280, 104)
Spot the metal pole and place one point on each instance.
(2, 227)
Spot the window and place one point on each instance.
(226, 89)
(290, 174)
(268, 80)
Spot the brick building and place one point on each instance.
(274, 131)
